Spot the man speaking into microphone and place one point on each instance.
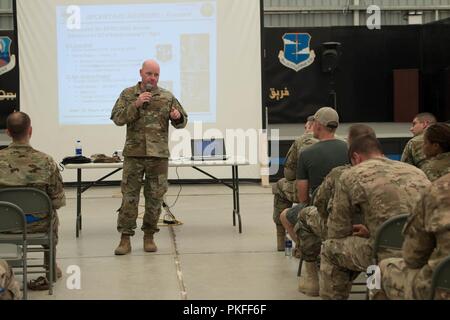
(146, 110)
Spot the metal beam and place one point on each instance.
(301, 9)
(323, 9)
(405, 8)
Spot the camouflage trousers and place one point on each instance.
(155, 186)
(9, 287)
(311, 230)
(285, 195)
(400, 282)
(341, 261)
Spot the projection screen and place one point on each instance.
(77, 56)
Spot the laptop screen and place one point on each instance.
(208, 148)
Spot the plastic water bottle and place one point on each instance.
(78, 149)
(288, 246)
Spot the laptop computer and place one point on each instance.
(208, 149)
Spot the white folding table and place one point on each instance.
(234, 163)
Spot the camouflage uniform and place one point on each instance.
(311, 227)
(285, 190)
(377, 189)
(23, 166)
(437, 167)
(427, 243)
(146, 152)
(413, 152)
(9, 288)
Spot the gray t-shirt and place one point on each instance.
(316, 161)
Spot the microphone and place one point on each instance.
(148, 88)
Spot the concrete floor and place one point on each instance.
(204, 258)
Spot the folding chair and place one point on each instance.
(389, 235)
(441, 277)
(13, 219)
(35, 201)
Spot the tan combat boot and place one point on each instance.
(309, 280)
(124, 245)
(149, 243)
(281, 235)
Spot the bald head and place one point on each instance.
(150, 63)
(150, 73)
(18, 126)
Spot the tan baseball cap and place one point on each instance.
(310, 118)
(328, 117)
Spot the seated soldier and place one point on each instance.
(311, 227)
(436, 147)
(284, 191)
(427, 243)
(9, 287)
(23, 166)
(315, 162)
(376, 188)
(413, 152)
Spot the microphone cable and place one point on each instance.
(169, 217)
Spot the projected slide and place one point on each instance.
(101, 49)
